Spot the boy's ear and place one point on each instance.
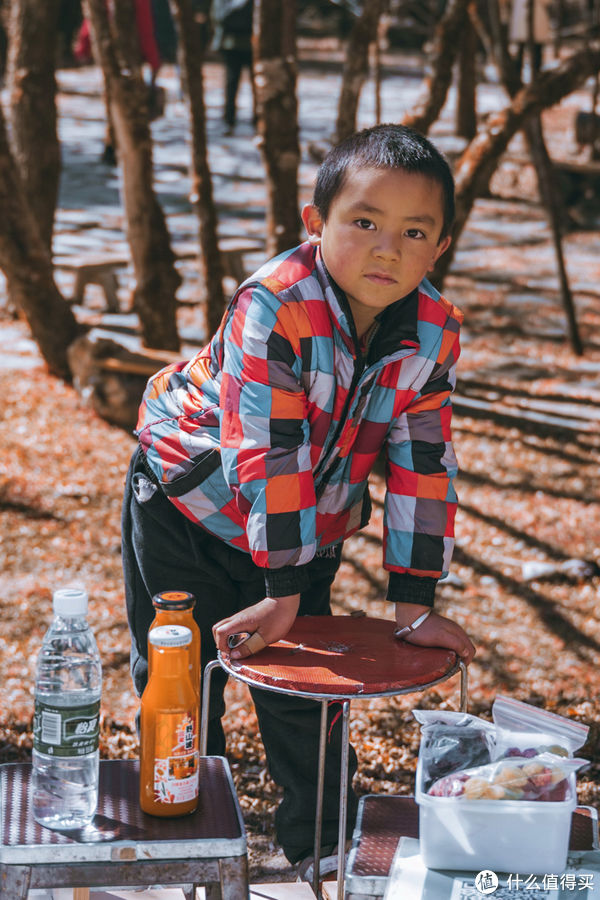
(441, 248)
(311, 219)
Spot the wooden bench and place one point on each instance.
(102, 268)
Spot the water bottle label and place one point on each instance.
(66, 731)
(176, 758)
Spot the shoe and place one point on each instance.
(328, 865)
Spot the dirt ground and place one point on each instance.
(525, 576)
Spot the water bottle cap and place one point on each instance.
(174, 600)
(70, 602)
(170, 636)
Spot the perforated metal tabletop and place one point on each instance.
(120, 829)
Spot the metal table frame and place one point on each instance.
(324, 699)
(124, 847)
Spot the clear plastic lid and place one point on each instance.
(70, 602)
(170, 636)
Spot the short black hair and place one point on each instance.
(384, 147)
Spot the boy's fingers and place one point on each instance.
(254, 644)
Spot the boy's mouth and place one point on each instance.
(380, 278)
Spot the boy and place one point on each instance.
(254, 456)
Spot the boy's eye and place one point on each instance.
(415, 233)
(365, 224)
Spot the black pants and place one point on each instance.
(163, 550)
(235, 62)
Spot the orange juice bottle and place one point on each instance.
(169, 756)
(177, 608)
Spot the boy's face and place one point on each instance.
(380, 238)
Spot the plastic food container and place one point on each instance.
(518, 836)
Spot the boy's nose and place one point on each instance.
(387, 248)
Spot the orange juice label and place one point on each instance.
(176, 758)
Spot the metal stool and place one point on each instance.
(124, 846)
(328, 658)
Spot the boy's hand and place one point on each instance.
(270, 619)
(436, 631)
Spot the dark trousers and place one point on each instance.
(163, 550)
(235, 61)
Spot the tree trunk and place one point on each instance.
(274, 49)
(210, 256)
(32, 86)
(466, 106)
(25, 261)
(479, 161)
(551, 199)
(157, 279)
(447, 40)
(356, 67)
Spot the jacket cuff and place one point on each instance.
(287, 580)
(406, 588)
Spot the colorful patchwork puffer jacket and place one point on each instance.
(268, 435)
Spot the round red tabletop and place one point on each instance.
(343, 656)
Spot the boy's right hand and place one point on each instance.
(271, 619)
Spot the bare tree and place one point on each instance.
(274, 50)
(191, 42)
(356, 66)
(480, 160)
(510, 71)
(447, 40)
(32, 48)
(25, 261)
(466, 107)
(157, 280)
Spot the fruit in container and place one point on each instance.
(514, 780)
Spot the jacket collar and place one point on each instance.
(397, 324)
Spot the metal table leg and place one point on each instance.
(345, 753)
(205, 704)
(464, 686)
(320, 789)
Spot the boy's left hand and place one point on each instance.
(436, 631)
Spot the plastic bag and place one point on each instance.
(530, 730)
(451, 741)
(541, 778)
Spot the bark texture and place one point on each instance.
(191, 50)
(356, 67)
(466, 105)
(33, 33)
(534, 133)
(445, 48)
(479, 161)
(157, 279)
(26, 263)
(274, 48)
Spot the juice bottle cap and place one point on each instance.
(173, 600)
(170, 636)
(70, 602)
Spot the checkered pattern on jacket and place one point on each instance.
(268, 435)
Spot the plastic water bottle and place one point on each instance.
(66, 724)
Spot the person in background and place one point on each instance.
(232, 22)
(519, 30)
(149, 54)
(254, 457)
